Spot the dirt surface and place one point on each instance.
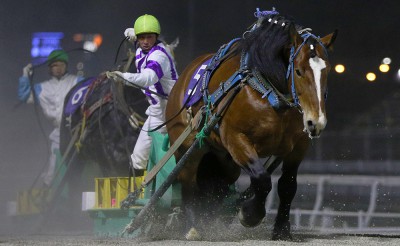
(216, 235)
(299, 239)
(59, 232)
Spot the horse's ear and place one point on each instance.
(295, 38)
(329, 39)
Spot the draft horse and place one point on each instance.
(101, 122)
(268, 91)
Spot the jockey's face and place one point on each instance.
(147, 41)
(58, 69)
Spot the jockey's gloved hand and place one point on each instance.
(114, 75)
(130, 34)
(27, 70)
(117, 76)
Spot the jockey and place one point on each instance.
(50, 94)
(156, 73)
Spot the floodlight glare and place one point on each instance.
(370, 77)
(339, 68)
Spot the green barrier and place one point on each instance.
(159, 147)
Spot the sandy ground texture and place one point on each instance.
(220, 232)
(299, 239)
(215, 235)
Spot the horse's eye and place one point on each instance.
(298, 72)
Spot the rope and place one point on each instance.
(78, 144)
(202, 135)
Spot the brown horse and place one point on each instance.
(292, 66)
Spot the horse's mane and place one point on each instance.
(268, 48)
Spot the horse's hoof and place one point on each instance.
(282, 232)
(281, 237)
(193, 235)
(248, 221)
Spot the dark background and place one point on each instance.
(368, 32)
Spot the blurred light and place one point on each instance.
(386, 60)
(90, 41)
(78, 37)
(339, 68)
(384, 68)
(35, 51)
(97, 40)
(90, 46)
(45, 42)
(398, 73)
(370, 77)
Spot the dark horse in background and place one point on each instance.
(101, 123)
(274, 53)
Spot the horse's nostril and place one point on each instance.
(310, 123)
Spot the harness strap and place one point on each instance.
(216, 60)
(259, 84)
(70, 144)
(107, 98)
(224, 87)
(153, 172)
(87, 113)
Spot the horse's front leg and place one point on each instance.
(252, 210)
(287, 187)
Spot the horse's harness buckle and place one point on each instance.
(189, 115)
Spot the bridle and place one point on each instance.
(293, 54)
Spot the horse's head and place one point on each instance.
(294, 63)
(307, 77)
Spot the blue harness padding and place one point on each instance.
(193, 92)
(259, 84)
(213, 65)
(252, 77)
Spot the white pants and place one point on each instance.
(141, 152)
(54, 146)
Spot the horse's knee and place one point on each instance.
(261, 185)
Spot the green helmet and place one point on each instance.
(147, 24)
(57, 55)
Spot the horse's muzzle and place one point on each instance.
(314, 128)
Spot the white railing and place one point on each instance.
(320, 218)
